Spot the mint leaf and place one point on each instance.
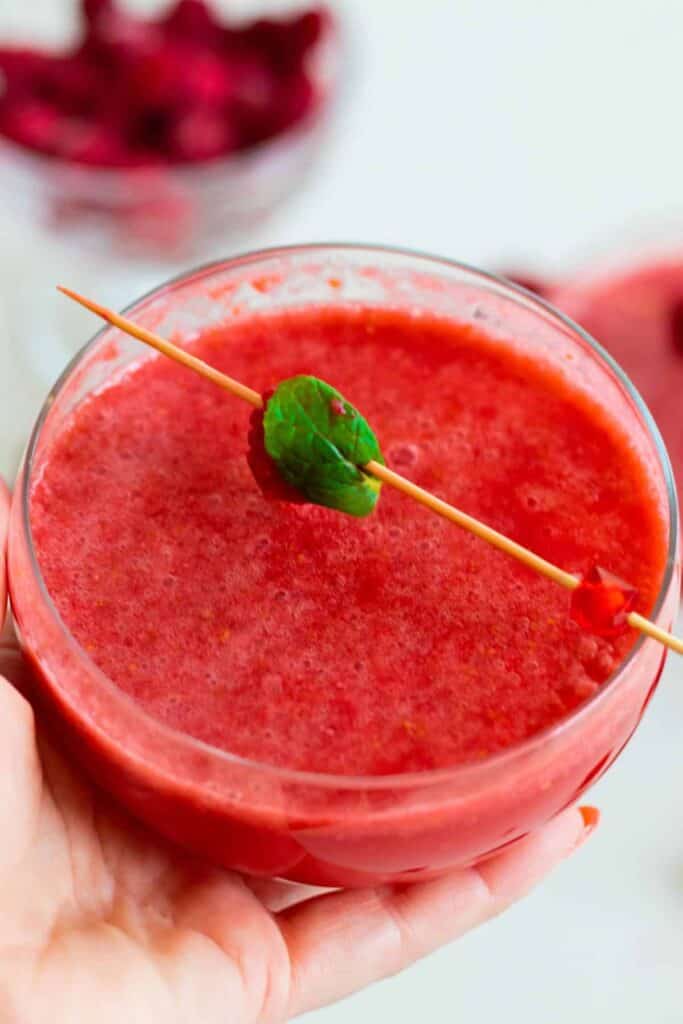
(319, 443)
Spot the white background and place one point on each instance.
(504, 133)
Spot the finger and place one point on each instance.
(4, 521)
(20, 775)
(343, 942)
(12, 666)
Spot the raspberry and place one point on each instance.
(307, 30)
(297, 37)
(286, 42)
(601, 603)
(208, 79)
(295, 99)
(531, 282)
(184, 87)
(265, 472)
(88, 142)
(156, 79)
(33, 123)
(191, 21)
(20, 70)
(253, 88)
(117, 38)
(676, 323)
(72, 83)
(94, 9)
(200, 135)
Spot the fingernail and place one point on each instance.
(591, 820)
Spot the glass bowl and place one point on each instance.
(172, 213)
(314, 827)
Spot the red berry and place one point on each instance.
(286, 103)
(261, 36)
(90, 143)
(676, 322)
(285, 42)
(207, 78)
(191, 21)
(93, 9)
(266, 473)
(173, 75)
(20, 70)
(530, 282)
(184, 86)
(252, 86)
(32, 123)
(297, 37)
(118, 38)
(156, 79)
(74, 84)
(601, 603)
(308, 28)
(295, 99)
(201, 134)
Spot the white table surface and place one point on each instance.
(529, 132)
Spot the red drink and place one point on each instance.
(290, 691)
(637, 314)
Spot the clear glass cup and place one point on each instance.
(312, 827)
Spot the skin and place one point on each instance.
(99, 920)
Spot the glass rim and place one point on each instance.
(406, 780)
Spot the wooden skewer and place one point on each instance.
(383, 473)
(479, 529)
(644, 625)
(167, 348)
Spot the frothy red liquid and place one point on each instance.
(296, 636)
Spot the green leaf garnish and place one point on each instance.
(319, 443)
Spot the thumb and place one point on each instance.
(19, 763)
(12, 665)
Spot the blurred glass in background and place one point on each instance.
(140, 138)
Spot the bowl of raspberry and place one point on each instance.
(161, 136)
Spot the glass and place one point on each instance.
(318, 828)
(630, 297)
(175, 213)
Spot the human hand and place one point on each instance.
(101, 921)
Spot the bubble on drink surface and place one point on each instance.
(272, 683)
(403, 455)
(597, 657)
(581, 686)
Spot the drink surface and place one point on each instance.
(297, 636)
